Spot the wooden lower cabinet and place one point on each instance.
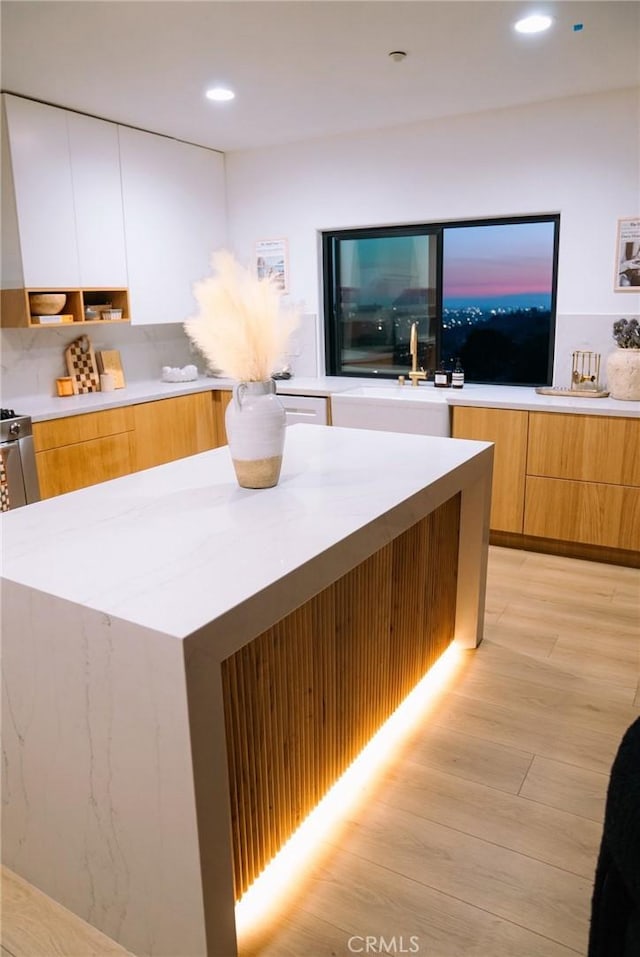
(82, 450)
(170, 429)
(583, 480)
(563, 482)
(507, 429)
(585, 448)
(589, 513)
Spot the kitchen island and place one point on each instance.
(189, 665)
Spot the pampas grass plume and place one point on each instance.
(241, 326)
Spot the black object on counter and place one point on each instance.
(457, 376)
(442, 379)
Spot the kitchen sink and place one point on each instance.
(421, 411)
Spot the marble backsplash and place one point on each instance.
(32, 359)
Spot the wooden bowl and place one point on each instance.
(46, 303)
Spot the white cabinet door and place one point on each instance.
(174, 213)
(95, 172)
(41, 168)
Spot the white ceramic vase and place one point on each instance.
(256, 421)
(623, 374)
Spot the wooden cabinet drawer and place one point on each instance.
(584, 447)
(587, 512)
(81, 464)
(171, 429)
(81, 428)
(507, 429)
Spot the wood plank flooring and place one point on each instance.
(481, 840)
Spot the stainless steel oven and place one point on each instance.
(18, 475)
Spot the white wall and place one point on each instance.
(578, 156)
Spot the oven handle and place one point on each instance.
(13, 494)
(20, 470)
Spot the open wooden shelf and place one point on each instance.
(16, 311)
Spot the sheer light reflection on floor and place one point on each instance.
(282, 875)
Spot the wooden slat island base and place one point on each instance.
(180, 697)
(304, 698)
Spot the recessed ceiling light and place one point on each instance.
(534, 24)
(220, 94)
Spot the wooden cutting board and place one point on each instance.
(81, 366)
(109, 361)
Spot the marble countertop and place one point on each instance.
(522, 397)
(42, 408)
(179, 546)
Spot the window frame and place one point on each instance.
(331, 282)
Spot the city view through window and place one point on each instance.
(498, 299)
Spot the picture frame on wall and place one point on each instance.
(627, 277)
(272, 260)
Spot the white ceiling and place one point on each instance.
(311, 68)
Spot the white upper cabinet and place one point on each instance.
(97, 192)
(41, 169)
(90, 204)
(63, 180)
(174, 213)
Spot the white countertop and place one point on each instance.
(521, 397)
(175, 547)
(42, 408)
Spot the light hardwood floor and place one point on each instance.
(482, 838)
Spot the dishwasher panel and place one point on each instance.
(304, 408)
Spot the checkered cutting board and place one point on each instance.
(5, 503)
(81, 365)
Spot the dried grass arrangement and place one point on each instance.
(242, 326)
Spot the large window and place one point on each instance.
(483, 292)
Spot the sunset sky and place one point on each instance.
(504, 260)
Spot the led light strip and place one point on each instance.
(283, 873)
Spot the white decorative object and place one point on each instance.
(255, 422)
(175, 374)
(623, 365)
(623, 374)
(242, 329)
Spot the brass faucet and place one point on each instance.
(415, 375)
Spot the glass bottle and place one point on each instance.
(457, 376)
(441, 378)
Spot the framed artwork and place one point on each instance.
(627, 278)
(272, 259)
